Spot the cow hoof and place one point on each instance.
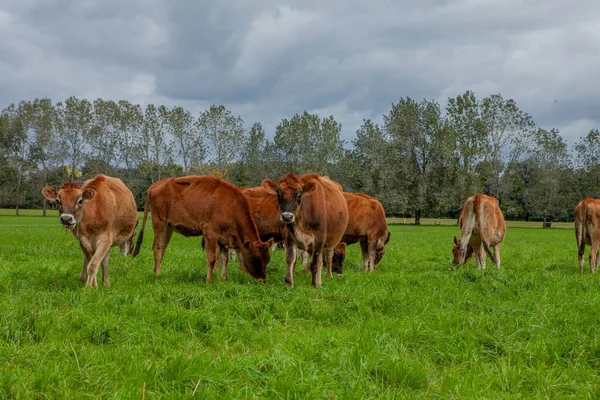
(288, 281)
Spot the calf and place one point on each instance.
(208, 206)
(587, 230)
(315, 215)
(481, 226)
(101, 214)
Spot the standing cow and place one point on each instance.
(213, 208)
(366, 225)
(101, 214)
(587, 230)
(481, 226)
(315, 215)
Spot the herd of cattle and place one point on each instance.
(308, 214)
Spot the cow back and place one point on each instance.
(189, 203)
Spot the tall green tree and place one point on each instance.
(464, 117)
(587, 153)
(131, 120)
(104, 136)
(254, 160)
(74, 122)
(546, 196)
(156, 149)
(224, 134)
(424, 145)
(508, 136)
(307, 143)
(46, 151)
(187, 142)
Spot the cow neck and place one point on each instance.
(246, 228)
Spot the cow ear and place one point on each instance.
(88, 194)
(388, 238)
(270, 186)
(455, 241)
(50, 193)
(309, 187)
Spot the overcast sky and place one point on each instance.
(268, 59)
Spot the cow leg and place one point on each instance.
(212, 252)
(224, 253)
(162, 236)
(105, 281)
(594, 255)
(328, 260)
(372, 249)
(480, 256)
(305, 261)
(364, 249)
(580, 254)
(497, 255)
(290, 261)
(102, 248)
(241, 261)
(86, 259)
(316, 264)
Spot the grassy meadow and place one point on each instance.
(415, 328)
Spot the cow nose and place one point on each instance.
(287, 217)
(66, 219)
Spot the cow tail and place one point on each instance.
(479, 215)
(140, 239)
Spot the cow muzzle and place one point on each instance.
(287, 217)
(67, 220)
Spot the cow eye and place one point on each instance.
(80, 201)
(298, 195)
(279, 193)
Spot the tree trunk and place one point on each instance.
(418, 217)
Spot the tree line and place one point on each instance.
(423, 161)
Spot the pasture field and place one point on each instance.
(415, 328)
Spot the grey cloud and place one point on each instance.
(270, 59)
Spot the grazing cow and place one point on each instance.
(101, 214)
(366, 225)
(587, 230)
(315, 215)
(208, 206)
(481, 227)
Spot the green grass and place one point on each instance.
(415, 328)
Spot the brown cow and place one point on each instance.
(101, 214)
(315, 215)
(587, 230)
(366, 225)
(481, 226)
(208, 206)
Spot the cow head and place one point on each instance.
(380, 249)
(339, 255)
(461, 255)
(70, 199)
(256, 256)
(289, 191)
